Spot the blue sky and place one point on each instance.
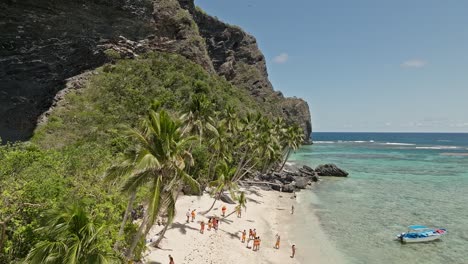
(364, 65)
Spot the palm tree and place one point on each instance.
(293, 137)
(158, 159)
(219, 142)
(72, 237)
(241, 202)
(224, 181)
(195, 119)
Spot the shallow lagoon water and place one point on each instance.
(396, 180)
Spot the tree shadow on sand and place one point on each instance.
(254, 192)
(182, 227)
(254, 201)
(232, 235)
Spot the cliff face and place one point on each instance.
(45, 42)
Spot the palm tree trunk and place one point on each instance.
(138, 235)
(125, 219)
(286, 159)
(230, 214)
(212, 205)
(161, 235)
(3, 235)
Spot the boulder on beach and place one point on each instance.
(301, 182)
(288, 188)
(330, 170)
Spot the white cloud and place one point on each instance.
(282, 58)
(459, 125)
(414, 63)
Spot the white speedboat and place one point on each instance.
(419, 233)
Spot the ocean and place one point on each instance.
(396, 180)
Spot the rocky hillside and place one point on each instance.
(45, 42)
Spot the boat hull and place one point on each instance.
(421, 239)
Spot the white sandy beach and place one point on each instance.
(267, 211)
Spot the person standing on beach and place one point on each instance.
(188, 215)
(210, 223)
(171, 260)
(202, 227)
(293, 251)
(254, 247)
(250, 233)
(292, 209)
(239, 211)
(258, 243)
(277, 245)
(193, 215)
(223, 209)
(243, 236)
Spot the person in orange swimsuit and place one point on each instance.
(223, 209)
(202, 227)
(258, 243)
(254, 247)
(193, 215)
(244, 234)
(277, 245)
(250, 233)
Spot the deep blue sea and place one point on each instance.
(396, 180)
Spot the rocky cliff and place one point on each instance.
(45, 42)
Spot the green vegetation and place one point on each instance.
(110, 138)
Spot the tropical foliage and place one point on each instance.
(199, 134)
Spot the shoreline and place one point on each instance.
(269, 212)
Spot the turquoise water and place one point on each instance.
(395, 180)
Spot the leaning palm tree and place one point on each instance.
(71, 237)
(159, 160)
(223, 182)
(241, 203)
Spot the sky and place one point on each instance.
(364, 65)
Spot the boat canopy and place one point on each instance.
(416, 227)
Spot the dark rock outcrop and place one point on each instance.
(44, 43)
(301, 182)
(330, 170)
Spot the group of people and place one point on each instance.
(192, 213)
(213, 222)
(252, 237)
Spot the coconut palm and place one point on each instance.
(72, 237)
(293, 137)
(223, 182)
(158, 159)
(241, 203)
(195, 120)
